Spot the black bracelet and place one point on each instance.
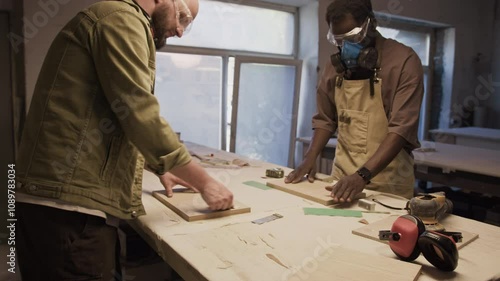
(365, 174)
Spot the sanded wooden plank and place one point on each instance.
(314, 191)
(371, 230)
(345, 264)
(191, 207)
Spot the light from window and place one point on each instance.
(228, 26)
(188, 88)
(265, 111)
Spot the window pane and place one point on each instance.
(188, 88)
(419, 41)
(265, 110)
(230, 26)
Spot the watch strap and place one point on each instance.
(365, 174)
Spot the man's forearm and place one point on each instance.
(318, 142)
(192, 173)
(386, 152)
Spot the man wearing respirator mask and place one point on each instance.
(370, 91)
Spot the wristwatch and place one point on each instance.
(365, 174)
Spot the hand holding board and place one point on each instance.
(314, 191)
(191, 206)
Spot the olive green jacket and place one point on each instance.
(93, 117)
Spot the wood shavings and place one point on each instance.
(276, 260)
(363, 221)
(240, 162)
(265, 242)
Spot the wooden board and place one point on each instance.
(371, 231)
(312, 191)
(191, 207)
(346, 264)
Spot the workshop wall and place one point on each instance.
(494, 113)
(42, 21)
(5, 5)
(6, 124)
(474, 33)
(6, 112)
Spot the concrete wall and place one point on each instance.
(494, 106)
(42, 21)
(5, 5)
(473, 34)
(6, 124)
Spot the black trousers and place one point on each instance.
(54, 244)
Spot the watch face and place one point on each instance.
(365, 174)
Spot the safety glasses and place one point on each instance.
(183, 15)
(356, 35)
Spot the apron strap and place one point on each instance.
(375, 78)
(379, 43)
(372, 87)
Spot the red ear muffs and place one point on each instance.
(440, 250)
(408, 228)
(408, 238)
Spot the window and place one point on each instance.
(189, 90)
(196, 75)
(266, 101)
(420, 40)
(223, 25)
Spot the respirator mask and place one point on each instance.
(354, 52)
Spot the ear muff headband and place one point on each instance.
(440, 250)
(368, 58)
(337, 63)
(408, 238)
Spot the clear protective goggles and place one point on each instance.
(183, 15)
(356, 35)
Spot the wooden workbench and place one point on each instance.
(233, 248)
(470, 168)
(469, 136)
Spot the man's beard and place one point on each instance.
(159, 21)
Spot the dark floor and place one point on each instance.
(141, 262)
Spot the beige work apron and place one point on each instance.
(362, 126)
